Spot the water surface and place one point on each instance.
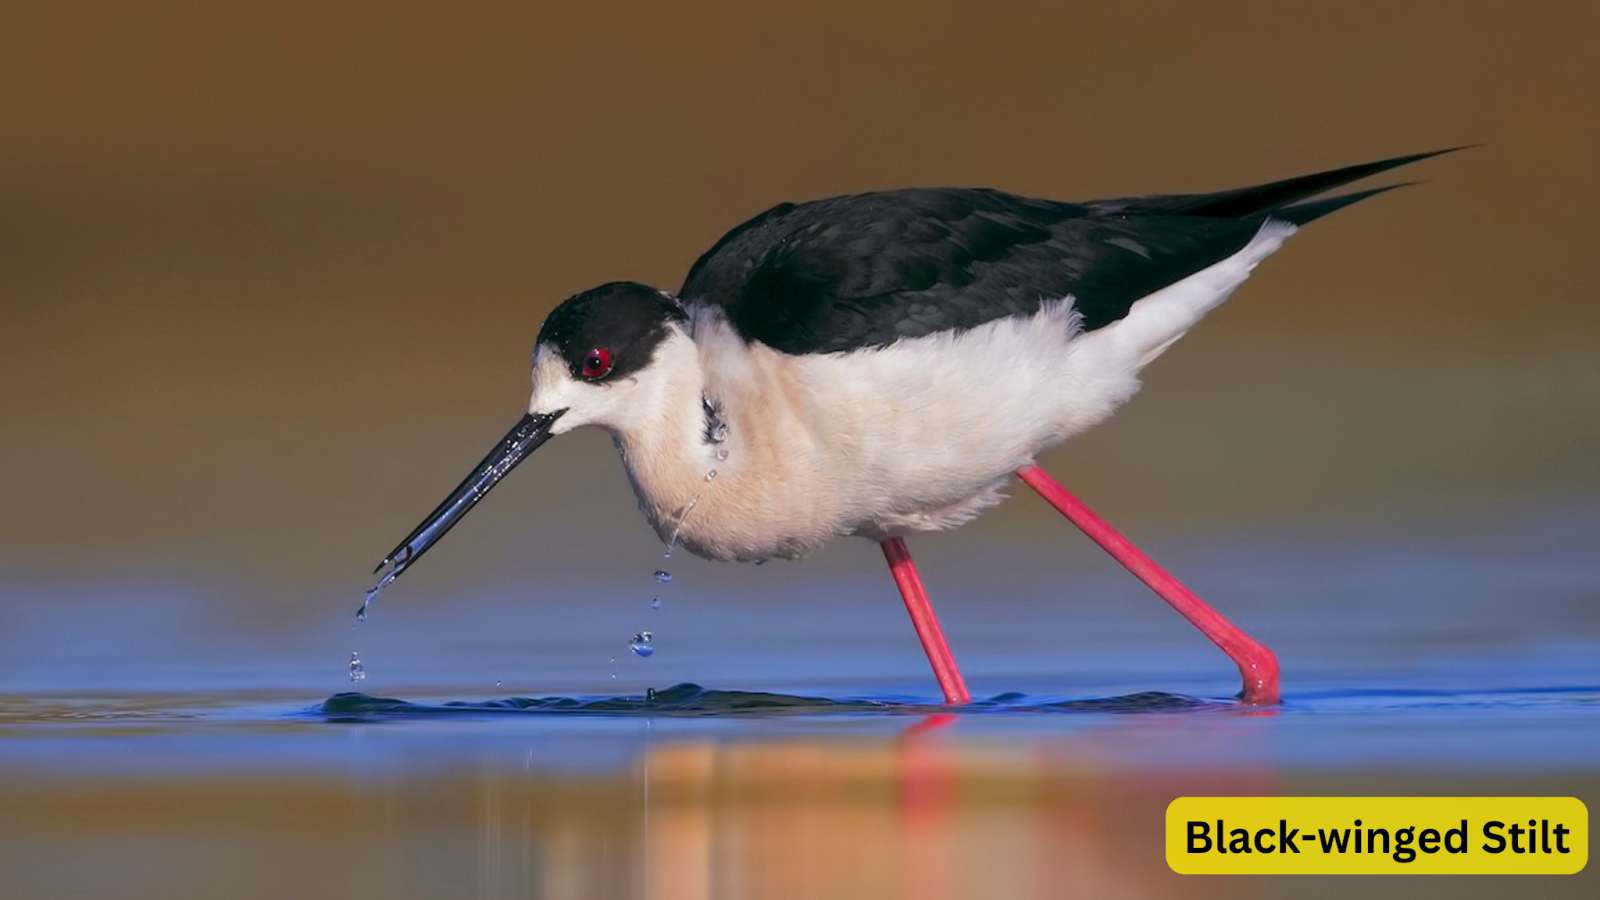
(789, 743)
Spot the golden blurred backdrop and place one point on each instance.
(270, 273)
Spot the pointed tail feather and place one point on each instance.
(1271, 198)
(1301, 213)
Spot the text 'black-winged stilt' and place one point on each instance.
(881, 364)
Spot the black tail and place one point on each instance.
(1275, 198)
(1301, 213)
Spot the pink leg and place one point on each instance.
(926, 623)
(1257, 664)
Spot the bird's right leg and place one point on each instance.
(1257, 664)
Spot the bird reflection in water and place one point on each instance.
(924, 815)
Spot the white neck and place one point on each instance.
(773, 492)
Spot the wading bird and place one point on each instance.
(881, 364)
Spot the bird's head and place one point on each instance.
(597, 361)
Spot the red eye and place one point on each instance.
(597, 363)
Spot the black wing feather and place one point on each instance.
(866, 270)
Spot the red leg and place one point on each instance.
(926, 623)
(1257, 664)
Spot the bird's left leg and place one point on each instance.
(1257, 664)
(926, 623)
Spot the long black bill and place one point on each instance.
(531, 431)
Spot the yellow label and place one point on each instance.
(1377, 835)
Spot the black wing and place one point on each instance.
(866, 270)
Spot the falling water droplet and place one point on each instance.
(641, 645)
(711, 475)
(649, 695)
(361, 614)
(358, 672)
(719, 432)
(613, 667)
(663, 576)
(721, 454)
(761, 561)
(497, 682)
(655, 602)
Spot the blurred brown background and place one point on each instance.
(269, 277)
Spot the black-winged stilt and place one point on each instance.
(880, 364)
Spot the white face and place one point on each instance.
(616, 403)
(555, 388)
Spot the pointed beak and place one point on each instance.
(529, 433)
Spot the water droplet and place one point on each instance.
(641, 645)
(663, 576)
(761, 560)
(385, 581)
(716, 428)
(613, 667)
(497, 682)
(655, 602)
(711, 475)
(721, 454)
(358, 672)
(649, 695)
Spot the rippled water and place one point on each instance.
(694, 700)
